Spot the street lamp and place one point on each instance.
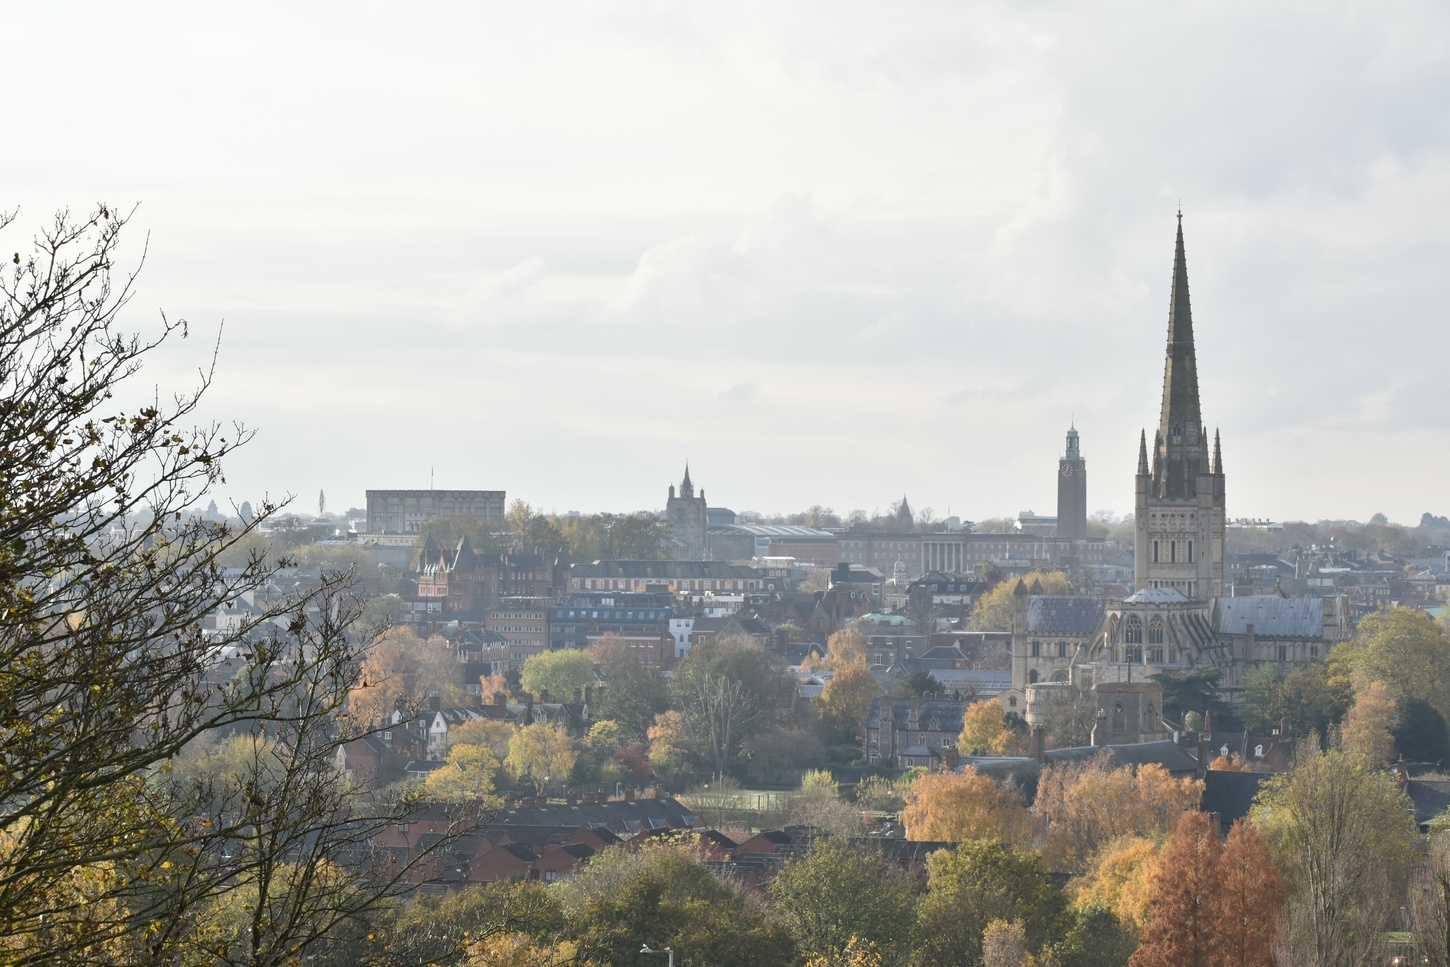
(667, 952)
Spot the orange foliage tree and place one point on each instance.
(965, 805)
(985, 730)
(846, 700)
(1230, 763)
(1214, 905)
(1084, 805)
(1121, 879)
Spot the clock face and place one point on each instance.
(1066, 470)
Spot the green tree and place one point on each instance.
(1094, 938)
(664, 896)
(1343, 837)
(558, 673)
(727, 691)
(1406, 650)
(1194, 690)
(838, 891)
(978, 882)
(634, 693)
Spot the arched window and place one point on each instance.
(1113, 630)
(1190, 552)
(1155, 630)
(1155, 552)
(1173, 552)
(1120, 718)
(1133, 630)
(1032, 678)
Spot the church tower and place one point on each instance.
(688, 521)
(1179, 500)
(1072, 491)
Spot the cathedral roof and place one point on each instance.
(1271, 615)
(1157, 596)
(1064, 614)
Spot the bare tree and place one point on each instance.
(108, 668)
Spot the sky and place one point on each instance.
(829, 253)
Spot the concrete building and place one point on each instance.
(404, 511)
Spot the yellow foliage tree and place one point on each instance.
(494, 736)
(1081, 806)
(468, 775)
(966, 805)
(1121, 878)
(857, 953)
(985, 730)
(993, 610)
(513, 949)
(400, 665)
(846, 699)
(541, 753)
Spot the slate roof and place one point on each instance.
(617, 816)
(1064, 614)
(664, 570)
(946, 712)
(1271, 615)
(1167, 753)
(1230, 794)
(1156, 596)
(1430, 798)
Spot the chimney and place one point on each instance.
(1039, 743)
(589, 694)
(543, 696)
(1203, 754)
(578, 695)
(500, 699)
(1402, 773)
(951, 758)
(1100, 730)
(435, 703)
(508, 801)
(629, 794)
(571, 797)
(912, 722)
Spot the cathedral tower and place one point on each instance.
(1072, 491)
(1179, 500)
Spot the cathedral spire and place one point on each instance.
(1180, 371)
(1142, 452)
(1217, 456)
(687, 489)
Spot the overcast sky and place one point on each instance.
(827, 252)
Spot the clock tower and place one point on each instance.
(1072, 491)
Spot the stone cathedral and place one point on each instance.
(1179, 506)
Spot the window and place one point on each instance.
(1120, 718)
(1062, 649)
(1133, 630)
(1155, 631)
(1190, 552)
(1173, 552)
(1283, 652)
(1155, 655)
(1036, 649)
(1155, 552)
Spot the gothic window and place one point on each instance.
(1062, 649)
(1120, 718)
(1113, 630)
(1155, 631)
(1190, 552)
(1133, 655)
(1155, 655)
(1133, 630)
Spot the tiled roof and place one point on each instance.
(1230, 794)
(1170, 755)
(1156, 596)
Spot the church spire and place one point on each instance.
(687, 489)
(1142, 452)
(1180, 371)
(1217, 456)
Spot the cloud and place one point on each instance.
(741, 392)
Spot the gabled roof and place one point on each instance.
(1156, 596)
(1230, 794)
(1271, 615)
(1166, 753)
(1064, 614)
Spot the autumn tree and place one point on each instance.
(846, 701)
(838, 893)
(556, 673)
(1342, 835)
(1004, 944)
(1430, 897)
(993, 610)
(1120, 879)
(1366, 731)
(1181, 930)
(845, 648)
(402, 667)
(108, 669)
(965, 805)
(1249, 899)
(468, 775)
(541, 753)
(1084, 805)
(985, 730)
